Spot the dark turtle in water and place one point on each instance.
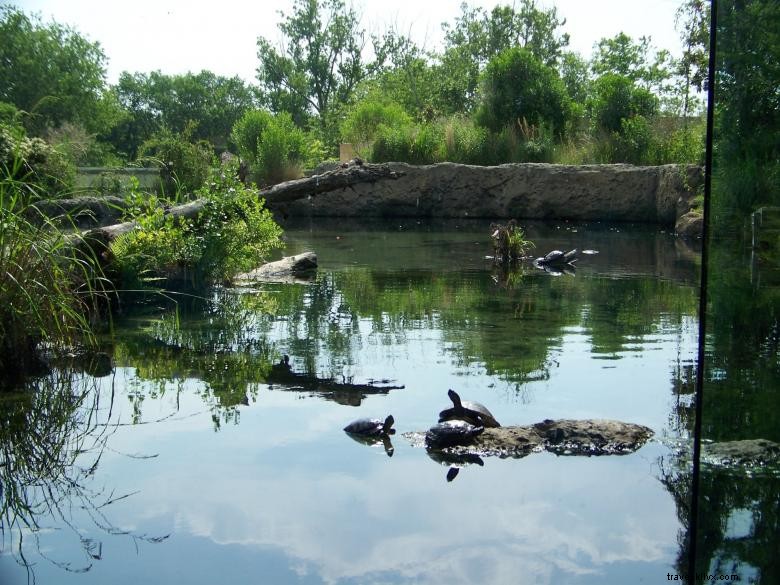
(558, 258)
(473, 413)
(451, 433)
(371, 427)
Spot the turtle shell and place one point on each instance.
(369, 427)
(450, 433)
(472, 412)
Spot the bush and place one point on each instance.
(683, 145)
(233, 233)
(517, 86)
(274, 148)
(362, 123)
(617, 98)
(418, 145)
(35, 163)
(185, 164)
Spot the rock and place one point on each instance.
(749, 452)
(522, 191)
(563, 437)
(298, 268)
(690, 225)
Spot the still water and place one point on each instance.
(197, 458)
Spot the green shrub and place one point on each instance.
(417, 145)
(274, 148)
(247, 132)
(517, 86)
(617, 98)
(632, 144)
(684, 145)
(465, 142)
(35, 163)
(362, 123)
(233, 233)
(185, 165)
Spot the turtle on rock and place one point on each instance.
(473, 413)
(451, 433)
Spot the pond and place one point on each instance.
(199, 458)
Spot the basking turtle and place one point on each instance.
(371, 427)
(558, 258)
(472, 412)
(451, 433)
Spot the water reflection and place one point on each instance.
(281, 493)
(52, 440)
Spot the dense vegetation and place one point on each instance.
(504, 87)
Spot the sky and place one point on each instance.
(180, 36)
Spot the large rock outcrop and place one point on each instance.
(657, 194)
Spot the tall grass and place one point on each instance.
(49, 287)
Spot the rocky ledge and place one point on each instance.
(563, 437)
(659, 194)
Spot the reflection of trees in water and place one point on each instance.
(52, 439)
(739, 508)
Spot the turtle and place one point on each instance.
(371, 427)
(558, 258)
(451, 433)
(472, 412)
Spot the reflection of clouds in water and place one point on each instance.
(398, 519)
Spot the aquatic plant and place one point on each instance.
(509, 242)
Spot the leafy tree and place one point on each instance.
(204, 104)
(575, 73)
(693, 21)
(621, 55)
(318, 65)
(517, 86)
(748, 108)
(52, 73)
(477, 36)
(617, 98)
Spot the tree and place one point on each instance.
(747, 108)
(477, 36)
(617, 98)
(693, 22)
(52, 73)
(204, 104)
(319, 63)
(621, 55)
(517, 86)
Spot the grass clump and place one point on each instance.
(50, 289)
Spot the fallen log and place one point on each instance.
(562, 437)
(98, 239)
(291, 269)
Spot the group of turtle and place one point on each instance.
(458, 425)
